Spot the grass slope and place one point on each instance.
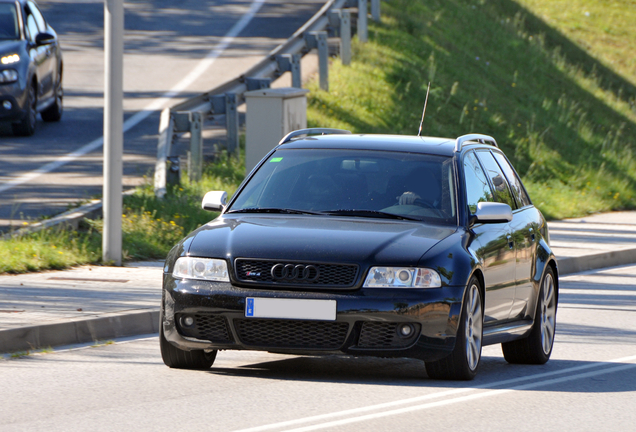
(566, 120)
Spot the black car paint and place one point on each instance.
(457, 253)
(40, 63)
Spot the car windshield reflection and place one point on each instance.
(353, 183)
(8, 22)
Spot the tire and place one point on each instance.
(176, 358)
(463, 362)
(536, 348)
(26, 127)
(54, 112)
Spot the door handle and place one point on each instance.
(511, 243)
(532, 237)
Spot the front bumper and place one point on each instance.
(367, 321)
(16, 95)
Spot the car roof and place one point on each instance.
(402, 143)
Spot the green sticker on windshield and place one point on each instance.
(276, 159)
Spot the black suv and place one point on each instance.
(30, 67)
(378, 245)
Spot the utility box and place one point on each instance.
(271, 114)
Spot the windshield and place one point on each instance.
(353, 183)
(8, 22)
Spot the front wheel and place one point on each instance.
(181, 359)
(54, 112)
(26, 127)
(536, 348)
(463, 362)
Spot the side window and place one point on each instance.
(502, 190)
(477, 187)
(39, 19)
(513, 180)
(32, 27)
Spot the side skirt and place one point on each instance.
(507, 332)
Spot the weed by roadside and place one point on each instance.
(150, 226)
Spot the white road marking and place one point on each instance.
(155, 105)
(537, 380)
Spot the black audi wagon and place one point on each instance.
(369, 245)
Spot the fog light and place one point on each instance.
(7, 105)
(187, 321)
(406, 330)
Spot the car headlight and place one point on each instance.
(201, 268)
(402, 277)
(13, 58)
(8, 76)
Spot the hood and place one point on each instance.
(11, 47)
(317, 239)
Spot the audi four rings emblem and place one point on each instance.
(298, 272)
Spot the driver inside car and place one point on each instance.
(422, 188)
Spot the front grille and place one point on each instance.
(385, 335)
(319, 275)
(292, 334)
(206, 327)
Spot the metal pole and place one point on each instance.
(166, 128)
(362, 21)
(323, 60)
(232, 122)
(113, 129)
(375, 10)
(196, 147)
(295, 71)
(345, 36)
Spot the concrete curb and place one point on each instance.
(138, 323)
(596, 261)
(76, 332)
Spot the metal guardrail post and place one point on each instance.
(323, 60)
(318, 40)
(232, 122)
(362, 21)
(195, 157)
(375, 10)
(166, 132)
(290, 63)
(345, 36)
(295, 71)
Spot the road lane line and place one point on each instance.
(484, 394)
(486, 386)
(154, 106)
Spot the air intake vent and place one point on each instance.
(291, 334)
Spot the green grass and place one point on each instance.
(150, 226)
(566, 120)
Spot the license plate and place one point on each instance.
(257, 307)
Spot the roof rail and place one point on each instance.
(312, 131)
(473, 138)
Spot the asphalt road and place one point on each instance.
(588, 385)
(169, 55)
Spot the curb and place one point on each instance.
(139, 323)
(572, 265)
(77, 332)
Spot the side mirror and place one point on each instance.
(493, 212)
(44, 39)
(214, 201)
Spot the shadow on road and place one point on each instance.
(494, 373)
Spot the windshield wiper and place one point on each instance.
(369, 213)
(274, 210)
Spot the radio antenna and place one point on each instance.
(419, 133)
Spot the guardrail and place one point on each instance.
(334, 18)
